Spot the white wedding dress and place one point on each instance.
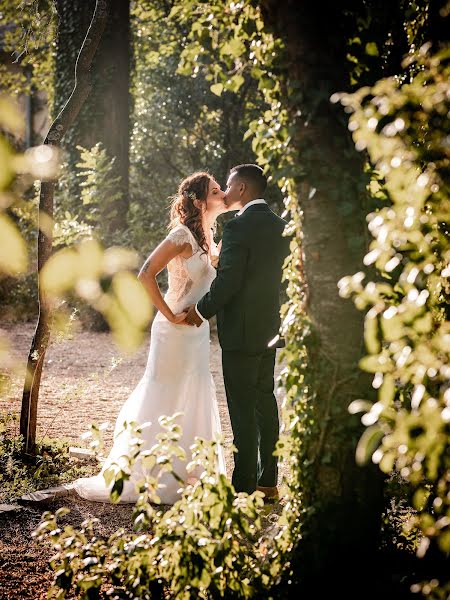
(177, 378)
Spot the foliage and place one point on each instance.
(28, 34)
(53, 465)
(14, 258)
(13, 253)
(179, 125)
(97, 182)
(246, 48)
(205, 546)
(405, 129)
(245, 51)
(241, 551)
(237, 37)
(88, 213)
(105, 280)
(74, 222)
(397, 533)
(434, 589)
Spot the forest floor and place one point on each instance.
(85, 380)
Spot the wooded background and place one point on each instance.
(346, 106)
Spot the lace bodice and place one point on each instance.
(189, 278)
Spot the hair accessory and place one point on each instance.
(189, 196)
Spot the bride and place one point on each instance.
(177, 377)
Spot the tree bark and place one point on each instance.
(111, 103)
(437, 24)
(342, 502)
(105, 117)
(58, 128)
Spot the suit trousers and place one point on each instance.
(249, 386)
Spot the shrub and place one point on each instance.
(207, 545)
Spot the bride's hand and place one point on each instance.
(179, 317)
(214, 258)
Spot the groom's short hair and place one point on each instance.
(253, 176)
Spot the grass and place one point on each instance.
(52, 466)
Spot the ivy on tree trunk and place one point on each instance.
(342, 501)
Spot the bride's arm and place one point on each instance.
(154, 264)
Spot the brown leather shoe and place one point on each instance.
(270, 493)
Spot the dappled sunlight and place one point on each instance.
(406, 331)
(337, 114)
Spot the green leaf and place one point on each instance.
(217, 89)
(444, 541)
(205, 579)
(372, 49)
(387, 390)
(358, 406)
(374, 363)
(60, 272)
(13, 251)
(368, 443)
(420, 498)
(234, 48)
(235, 83)
(117, 490)
(108, 476)
(175, 10)
(371, 335)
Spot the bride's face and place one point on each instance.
(215, 200)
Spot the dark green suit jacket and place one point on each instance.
(245, 295)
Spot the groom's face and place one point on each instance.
(233, 193)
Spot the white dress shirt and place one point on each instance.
(238, 214)
(251, 203)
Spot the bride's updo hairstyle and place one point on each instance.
(186, 205)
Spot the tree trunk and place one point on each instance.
(342, 501)
(56, 132)
(105, 117)
(437, 24)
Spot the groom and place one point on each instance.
(245, 295)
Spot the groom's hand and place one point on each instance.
(192, 317)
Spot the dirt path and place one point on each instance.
(25, 573)
(86, 379)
